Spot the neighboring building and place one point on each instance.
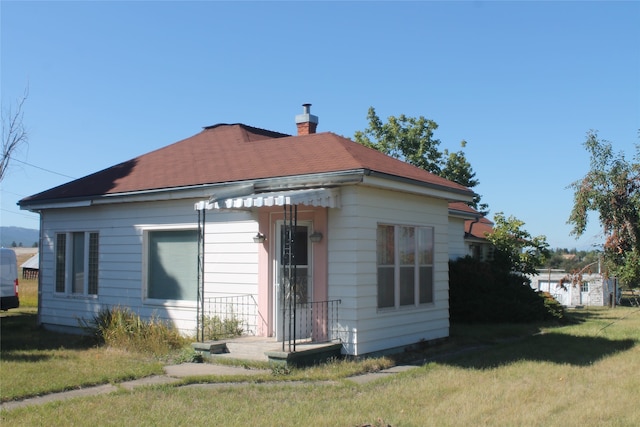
(468, 222)
(258, 223)
(31, 267)
(593, 290)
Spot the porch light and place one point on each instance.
(259, 238)
(316, 237)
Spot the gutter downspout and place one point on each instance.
(475, 221)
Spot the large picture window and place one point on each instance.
(405, 265)
(172, 265)
(77, 263)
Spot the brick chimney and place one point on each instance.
(306, 122)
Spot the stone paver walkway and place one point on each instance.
(173, 373)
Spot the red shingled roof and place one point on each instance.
(227, 153)
(478, 229)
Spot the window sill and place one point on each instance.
(75, 296)
(421, 307)
(170, 303)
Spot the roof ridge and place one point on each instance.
(252, 129)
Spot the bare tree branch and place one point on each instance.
(14, 134)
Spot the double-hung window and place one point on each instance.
(77, 263)
(405, 265)
(172, 264)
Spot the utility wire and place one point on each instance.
(41, 168)
(30, 216)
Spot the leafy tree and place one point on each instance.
(611, 188)
(14, 133)
(411, 139)
(572, 260)
(406, 138)
(514, 248)
(458, 169)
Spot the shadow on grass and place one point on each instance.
(20, 334)
(550, 347)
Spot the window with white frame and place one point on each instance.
(405, 265)
(172, 264)
(77, 263)
(584, 287)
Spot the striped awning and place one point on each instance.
(319, 197)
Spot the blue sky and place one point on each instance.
(521, 82)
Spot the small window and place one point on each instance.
(405, 265)
(584, 287)
(77, 263)
(172, 265)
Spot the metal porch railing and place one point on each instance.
(228, 316)
(315, 322)
(234, 315)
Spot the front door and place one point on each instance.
(293, 281)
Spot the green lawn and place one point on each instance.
(584, 374)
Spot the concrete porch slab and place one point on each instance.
(269, 350)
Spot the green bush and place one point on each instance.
(119, 327)
(481, 292)
(216, 328)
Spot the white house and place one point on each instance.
(473, 226)
(593, 289)
(260, 224)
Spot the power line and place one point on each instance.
(30, 216)
(41, 168)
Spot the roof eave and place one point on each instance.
(328, 179)
(451, 194)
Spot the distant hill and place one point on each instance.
(26, 237)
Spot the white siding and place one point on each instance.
(572, 296)
(231, 263)
(457, 247)
(352, 269)
(231, 258)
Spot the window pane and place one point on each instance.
(173, 265)
(385, 245)
(77, 267)
(426, 285)
(407, 245)
(425, 245)
(93, 264)
(300, 246)
(385, 287)
(61, 248)
(302, 285)
(407, 285)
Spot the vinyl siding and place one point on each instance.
(457, 248)
(231, 259)
(232, 268)
(352, 269)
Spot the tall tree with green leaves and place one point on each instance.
(611, 188)
(406, 138)
(458, 169)
(514, 248)
(411, 139)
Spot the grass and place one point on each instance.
(34, 361)
(28, 289)
(583, 373)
